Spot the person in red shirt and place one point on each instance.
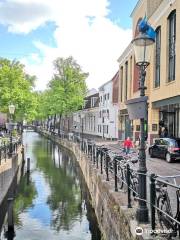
(127, 145)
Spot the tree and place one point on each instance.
(16, 87)
(66, 90)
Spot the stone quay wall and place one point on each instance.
(8, 171)
(116, 221)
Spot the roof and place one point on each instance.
(136, 7)
(88, 101)
(101, 88)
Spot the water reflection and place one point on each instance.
(55, 202)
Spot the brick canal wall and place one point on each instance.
(10, 174)
(8, 171)
(116, 221)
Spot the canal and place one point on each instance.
(52, 202)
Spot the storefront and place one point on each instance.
(169, 115)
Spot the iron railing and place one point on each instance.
(5, 149)
(164, 212)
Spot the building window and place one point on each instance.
(138, 128)
(108, 96)
(100, 114)
(126, 80)
(172, 46)
(121, 84)
(157, 57)
(154, 127)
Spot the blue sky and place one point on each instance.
(37, 33)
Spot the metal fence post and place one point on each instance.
(102, 161)
(128, 186)
(153, 200)
(107, 167)
(115, 174)
(94, 154)
(97, 157)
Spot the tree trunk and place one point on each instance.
(59, 129)
(54, 123)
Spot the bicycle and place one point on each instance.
(169, 223)
(122, 161)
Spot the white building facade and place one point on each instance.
(108, 111)
(86, 120)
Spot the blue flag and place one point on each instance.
(144, 27)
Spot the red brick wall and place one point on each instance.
(115, 92)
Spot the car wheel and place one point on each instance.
(151, 153)
(168, 157)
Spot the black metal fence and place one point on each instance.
(122, 169)
(5, 149)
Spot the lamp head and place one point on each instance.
(143, 45)
(11, 109)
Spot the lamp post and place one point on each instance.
(143, 45)
(11, 111)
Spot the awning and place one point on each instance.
(167, 101)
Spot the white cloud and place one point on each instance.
(83, 31)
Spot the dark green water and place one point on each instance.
(53, 203)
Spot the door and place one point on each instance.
(128, 128)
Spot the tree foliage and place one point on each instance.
(16, 88)
(66, 90)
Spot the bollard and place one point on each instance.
(10, 215)
(102, 161)
(153, 200)
(128, 186)
(107, 167)
(115, 175)
(28, 165)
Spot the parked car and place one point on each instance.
(168, 148)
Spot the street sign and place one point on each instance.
(137, 108)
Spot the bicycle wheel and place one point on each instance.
(163, 203)
(120, 177)
(134, 185)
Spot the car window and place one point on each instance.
(177, 143)
(161, 142)
(157, 141)
(171, 143)
(164, 142)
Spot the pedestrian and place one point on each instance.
(164, 131)
(127, 145)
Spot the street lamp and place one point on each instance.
(11, 111)
(143, 45)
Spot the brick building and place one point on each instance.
(162, 78)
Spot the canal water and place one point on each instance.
(52, 202)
